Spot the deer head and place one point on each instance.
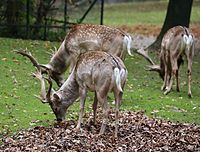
(55, 99)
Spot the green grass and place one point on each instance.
(135, 13)
(118, 14)
(148, 12)
(19, 108)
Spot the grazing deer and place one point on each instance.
(82, 38)
(176, 43)
(96, 71)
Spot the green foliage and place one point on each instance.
(19, 108)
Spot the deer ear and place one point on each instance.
(57, 97)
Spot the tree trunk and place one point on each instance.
(178, 13)
(12, 16)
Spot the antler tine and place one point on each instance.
(152, 68)
(53, 51)
(43, 96)
(29, 55)
(145, 55)
(50, 90)
(41, 99)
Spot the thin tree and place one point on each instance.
(178, 13)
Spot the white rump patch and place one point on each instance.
(188, 40)
(128, 42)
(118, 79)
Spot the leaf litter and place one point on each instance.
(136, 132)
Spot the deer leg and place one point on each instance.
(173, 75)
(189, 83)
(83, 94)
(189, 58)
(105, 117)
(94, 107)
(165, 79)
(177, 81)
(169, 84)
(118, 97)
(103, 102)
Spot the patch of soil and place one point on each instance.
(136, 133)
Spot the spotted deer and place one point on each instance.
(94, 71)
(176, 43)
(82, 38)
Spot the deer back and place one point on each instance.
(95, 37)
(96, 69)
(83, 38)
(176, 40)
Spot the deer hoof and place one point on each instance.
(163, 88)
(166, 92)
(116, 136)
(77, 129)
(103, 128)
(189, 95)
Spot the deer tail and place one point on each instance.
(118, 79)
(188, 39)
(128, 42)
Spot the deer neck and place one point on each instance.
(69, 90)
(61, 59)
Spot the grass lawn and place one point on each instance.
(148, 12)
(19, 108)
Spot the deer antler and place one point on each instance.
(53, 51)
(42, 96)
(29, 55)
(153, 68)
(145, 55)
(50, 90)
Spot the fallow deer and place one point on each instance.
(176, 43)
(82, 38)
(95, 71)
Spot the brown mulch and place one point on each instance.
(136, 133)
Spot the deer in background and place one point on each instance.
(96, 71)
(176, 43)
(82, 38)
